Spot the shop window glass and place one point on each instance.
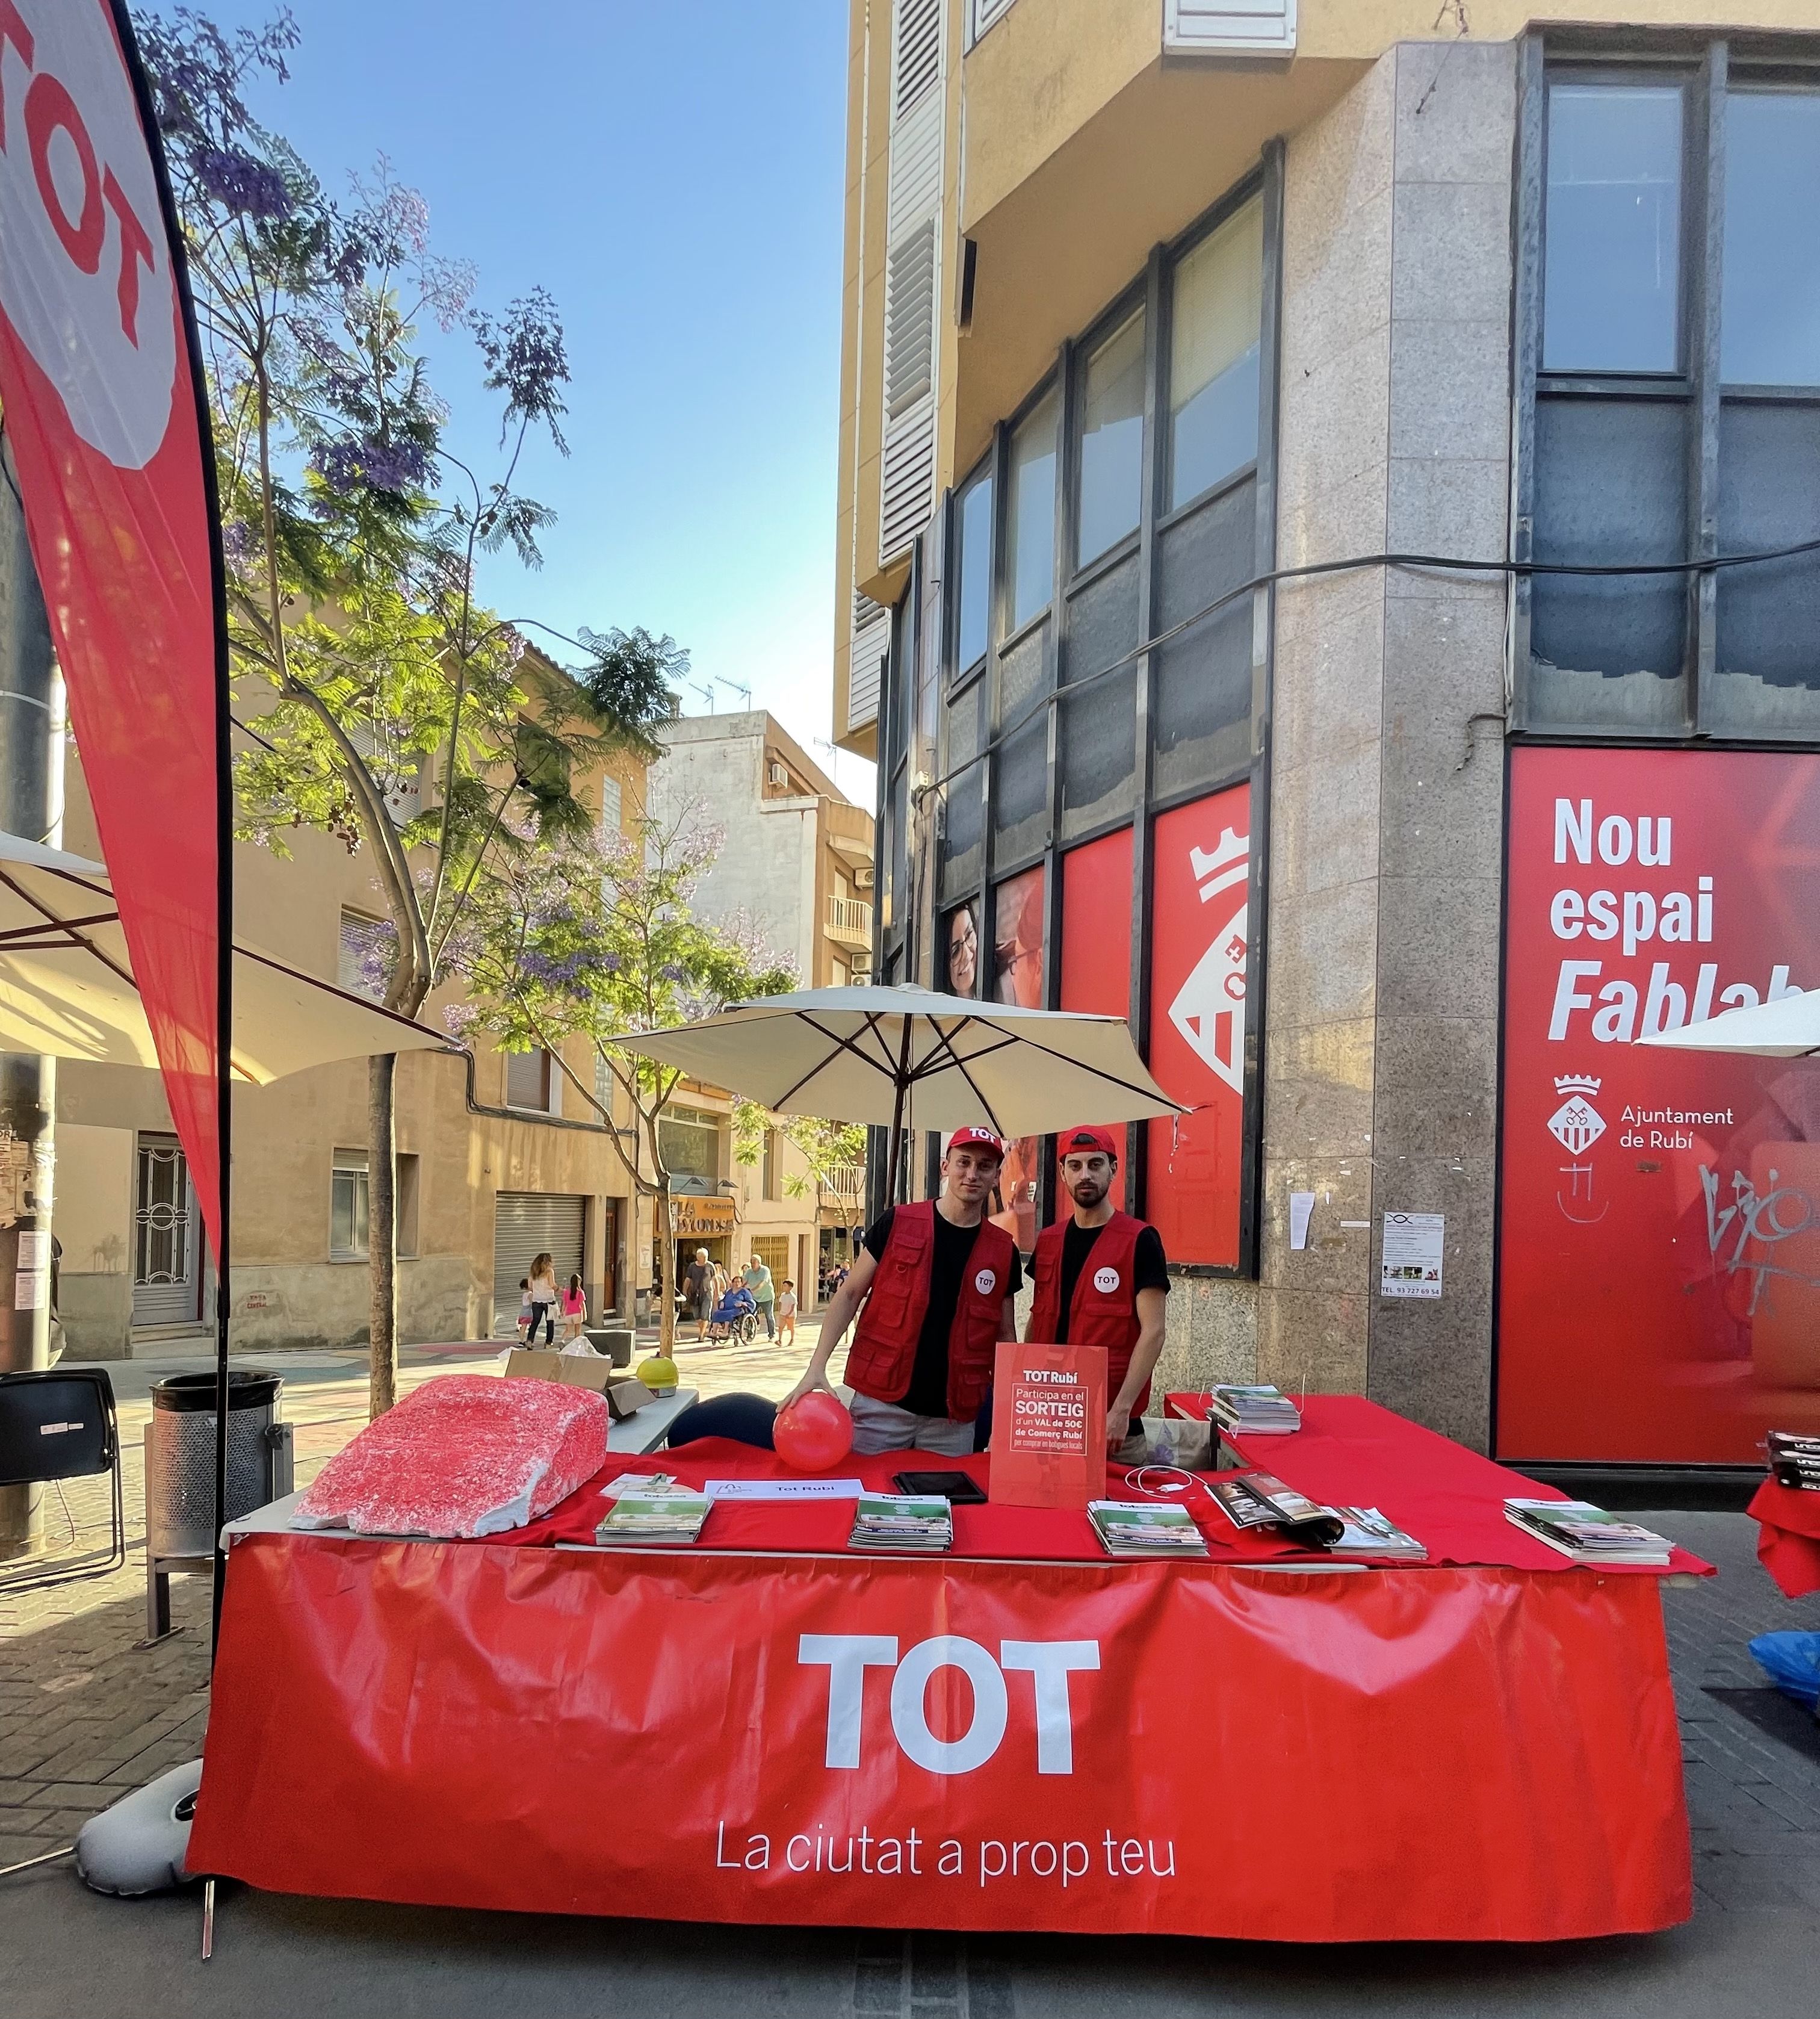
(1112, 441)
(1610, 290)
(1770, 324)
(1767, 656)
(974, 597)
(1217, 316)
(1030, 543)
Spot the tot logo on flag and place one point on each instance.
(85, 275)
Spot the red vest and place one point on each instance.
(884, 1352)
(1104, 1309)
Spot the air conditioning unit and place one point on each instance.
(862, 880)
(778, 775)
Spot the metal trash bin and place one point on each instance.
(180, 1472)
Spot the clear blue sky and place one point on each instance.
(673, 175)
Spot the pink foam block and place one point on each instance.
(465, 1455)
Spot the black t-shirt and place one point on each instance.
(1149, 1270)
(695, 1281)
(954, 1246)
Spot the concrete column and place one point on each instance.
(32, 804)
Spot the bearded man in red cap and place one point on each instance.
(932, 1287)
(1101, 1277)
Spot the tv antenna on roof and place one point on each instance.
(705, 693)
(733, 687)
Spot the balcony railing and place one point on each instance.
(848, 1182)
(850, 920)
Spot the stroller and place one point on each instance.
(735, 1316)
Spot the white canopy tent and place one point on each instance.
(67, 987)
(1788, 1028)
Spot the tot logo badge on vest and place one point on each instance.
(1105, 1280)
(986, 1282)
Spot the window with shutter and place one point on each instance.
(612, 808)
(910, 336)
(918, 53)
(981, 15)
(533, 1082)
(368, 952)
(1230, 27)
(870, 641)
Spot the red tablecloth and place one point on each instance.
(1788, 1538)
(766, 1728)
(1351, 1452)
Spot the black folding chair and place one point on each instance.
(55, 1425)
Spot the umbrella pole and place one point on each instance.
(902, 1088)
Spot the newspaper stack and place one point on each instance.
(1588, 1534)
(1254, 1411)
(1368, 1533)
(1145, 1528)
(1795, 1461)
(665, 1518)
(924, 1523)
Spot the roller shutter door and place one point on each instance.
(524, 1224)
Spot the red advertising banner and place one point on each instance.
(1200, 927)
(1096, 938)
(1048, 1425)
(101, 410)
(1125, 1749)
(1659, 1274)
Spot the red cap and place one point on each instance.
(976, 1139)
(1088, 1138)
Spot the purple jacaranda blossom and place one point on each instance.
(243, 184)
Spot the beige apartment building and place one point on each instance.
(497, 1158)
(797, 870)
(1319, 481)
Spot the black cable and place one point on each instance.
(1444, 563)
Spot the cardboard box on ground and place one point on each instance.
(524, 1363)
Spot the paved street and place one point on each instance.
(83, 1713)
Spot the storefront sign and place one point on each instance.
(1200, 935)
(708, 1216)
(1659, 1276)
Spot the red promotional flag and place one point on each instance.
(103, 400)
(1048, 1425)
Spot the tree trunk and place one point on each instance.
(382, 1231)
(666, 1269)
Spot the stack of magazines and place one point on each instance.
(1368, 1533)
(1301, 1519)
(1239, 1505)
(1254, 1411)
(1145, 1528)
(1588, 1533)
(662, 1517)
(924, 1523)
(1795, 1461)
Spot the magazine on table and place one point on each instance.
(654, 1518)
(924, 1523)
(1588, 1534)
(1368, 1533)
(1258, 1409)
(1795, 1461)
(1240, 1506)
(1145, 1528)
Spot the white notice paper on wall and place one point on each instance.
(1411, 1266)
(34, 1251)
(31, 1290)
(1302, 1210)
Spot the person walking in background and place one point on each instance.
(757, 1281)
(540, 1287)
(574, 1305)
(698, 1289)
(787, 1313)
(524, 1308)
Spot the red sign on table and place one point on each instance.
(1660, 1289)
(1049, 1425)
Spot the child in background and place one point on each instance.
(573, 1304)
(524, 1308)
(787, 1313)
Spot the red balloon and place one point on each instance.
(814, 1433)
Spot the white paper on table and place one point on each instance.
(1302, 1210)
(1410, 1265)
(783, 1489)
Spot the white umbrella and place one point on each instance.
(1787, 1028)
(66, 988)
(867, 1054)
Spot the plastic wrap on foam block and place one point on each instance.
(465, 1455)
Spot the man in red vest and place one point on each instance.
(935, 1279)
(1101, 1279)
